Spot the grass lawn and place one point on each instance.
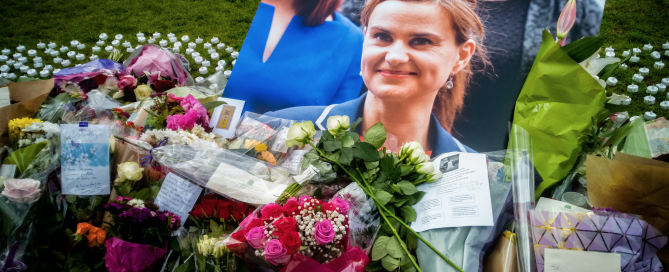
(27, 22)
(628, 24)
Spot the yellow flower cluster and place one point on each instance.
(212, 246)
(16, 125)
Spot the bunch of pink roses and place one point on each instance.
(305, 226)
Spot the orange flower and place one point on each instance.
(268, 157)
(261, 147)
(96, 236)
(82, 228)
(251, 143)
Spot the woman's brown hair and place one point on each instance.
(316, 11)
(467, 25)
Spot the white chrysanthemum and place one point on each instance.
(137, 203)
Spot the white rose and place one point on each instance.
(300, 133)
(143, 92)
(418, 157)
(129, 171)
(409, 148)
(425, 168)
(338, 123)
(118, 94)
(436, 174)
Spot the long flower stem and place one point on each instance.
(367, 190)
(377, 203)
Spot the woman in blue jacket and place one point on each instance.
(297, 53)
(416, 63)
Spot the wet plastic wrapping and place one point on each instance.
(264, 137)
(226, 172)
(466, 246)
(20, 202)
(363, 222)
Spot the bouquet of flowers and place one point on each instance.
(304, 230)
(219, 215)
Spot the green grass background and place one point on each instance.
(628, 24)
(27, 22)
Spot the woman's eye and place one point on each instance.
(420, 41)
(382, 37)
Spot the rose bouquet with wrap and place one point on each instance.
(303, 232)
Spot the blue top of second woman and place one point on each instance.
(311, 65)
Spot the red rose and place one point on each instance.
(209, 202)
(238, 209)
(223, 210)
(255, 223)
(328, 207)
(100, 79)
(284, 225)
(208, 210)
(290, 208)
(237, 243)
(163, 85)
(271, 210)
(291, 241)
(197, 212)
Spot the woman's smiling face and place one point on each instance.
(410, 50)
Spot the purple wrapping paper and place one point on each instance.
(635, 240)
(124, 256)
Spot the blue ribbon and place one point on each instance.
(10, 264)
(148, 159)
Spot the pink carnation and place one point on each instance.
(190, 103)
(179, 121)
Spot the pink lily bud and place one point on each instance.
(566, 21)
(81, 96)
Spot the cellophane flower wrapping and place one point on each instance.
(159, 62)
(211, 168)
(98, 106)
(309, 234)
(124, 256)
(21, 199)
(634, 239)
(263, 137)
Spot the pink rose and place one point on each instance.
(324, 232)
(22, 190)
(275, 253)
(256, 237)
(341, 204)
(126, 82)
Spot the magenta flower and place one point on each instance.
(182, 121)
(341, 204)
(324, 232)
(566, 21)
(275, 253)
(256, 237)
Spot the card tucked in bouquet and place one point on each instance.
(85, 159)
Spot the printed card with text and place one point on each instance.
(461, 197)
(85, 159)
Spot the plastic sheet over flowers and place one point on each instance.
(309, 234)
(228, 173)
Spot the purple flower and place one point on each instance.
(116, 208)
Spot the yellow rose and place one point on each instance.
(143, 92)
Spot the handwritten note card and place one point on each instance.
(178, 196)
(4, 97)
(85, 159)
(558, 260)
(460, 198)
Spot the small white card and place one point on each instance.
(85, 159)
(461, 197)
(8, 171)
(244, 186)
(4, 97)
(225, 118)
(560, 260)
(177, 196)
(547, 204)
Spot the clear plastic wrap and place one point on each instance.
(213, 85)
(295, 243)
(602, 231)
(98, 106)
(467, 246)
(521, 174)
(55, 108)
(263, 137)
(20, 202)
(228, 173)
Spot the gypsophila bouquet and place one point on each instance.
(304, 227)
(196, 137)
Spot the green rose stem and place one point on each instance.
(367, 190)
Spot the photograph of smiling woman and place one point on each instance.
(417, 60)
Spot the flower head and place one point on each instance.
(129, 171)
(22, 190)
(566, 21)
(275, 253)
(300, 134)
(143, 92)
(338, 123)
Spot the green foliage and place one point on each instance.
(376, 135)
(582, 49)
